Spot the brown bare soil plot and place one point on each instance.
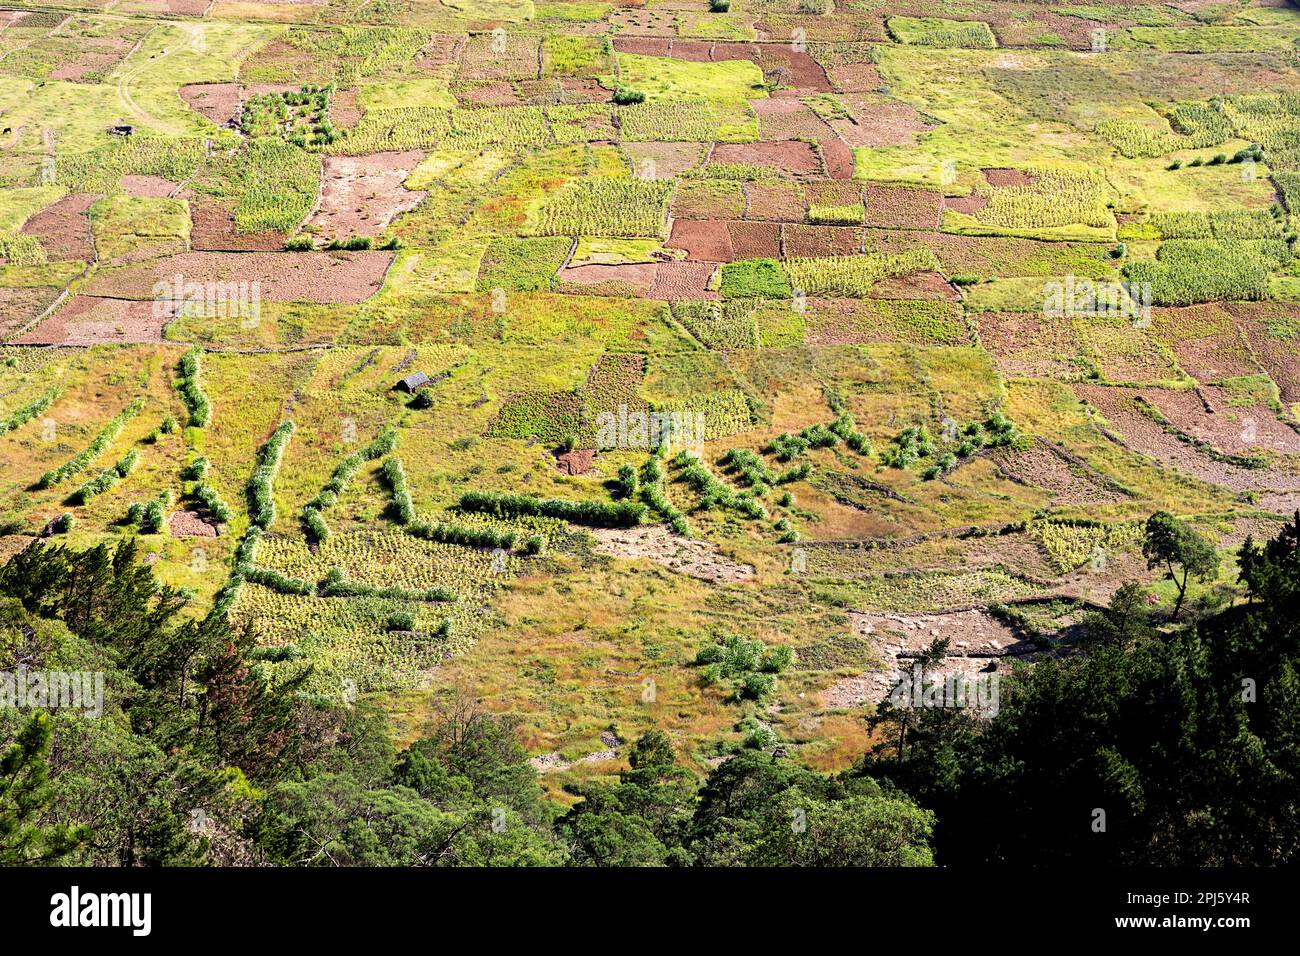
(212, 229)
(638, 277)
(218, 102)
(755, 240)
(900, 207)
(879, 122)
(1068, 482)
(92, 320)
(1141, 433)
(663, 160)
(1277, 351)
(148, 187)
(18, 307)
(1026, 343)
(683, 280)
(775, 202)
(809, 241)
(790, 156)
(917, 285)
(362, 195)
(340, 277)
(699, 559)
(64, 228)
(707, 240)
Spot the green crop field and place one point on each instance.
(552, 432)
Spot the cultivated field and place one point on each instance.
(839, 326)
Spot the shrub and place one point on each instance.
(192, 394)
(596, 513)
(626, 96)
(26, 413)
(260, 496)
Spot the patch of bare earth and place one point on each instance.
(877, 122)
(338, 277)
(212, 229)
(699, 559)
(1137, 430)
(790, 156)
(190, 524)
(148, 187)
(218, 102)
(683, 280)
(707, 241)
(916, 285)
(637, 277)
(813, 241)
(92, 320)
(978, 642)
(663, 160)
(755, 240)
(774, 202)
(344, 112)
(363, 194)
(64, 228)
(1068, 480)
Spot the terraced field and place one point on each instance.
(529, 348)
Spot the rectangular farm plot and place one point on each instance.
(344, 277)
(627, 208)
(92, 320)
(362, 195)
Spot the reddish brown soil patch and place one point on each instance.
(91, 320)
(838, 157)
(637, 277)
(18, 307)
(344, 112)
(693, 51)
(576, 462)
(1206, 414)
(790, 157)
(217, 102)
(341, 277)
(189, 8)
(190, 524)
(683, 280)
(1139, 432)
(801, 240)
(832, 192)
(1002, 177)
(148, 187)
(439, 51)
(1207, 343)
(917, 285)
(786, 66)
(855, 77)
(707, 241)
(897, 207)
(84, 65)
(1279, 355)
(699, 559)
(212, 229)
(781, 118)
(643, 46)
(876, 122)
(574, 89)
(499, 93)
(64, 228)
(968, 205)
(755, 240)
(363, 194)
(1027, 343)
(1068, 480)
(775, 202)
(663, 160)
